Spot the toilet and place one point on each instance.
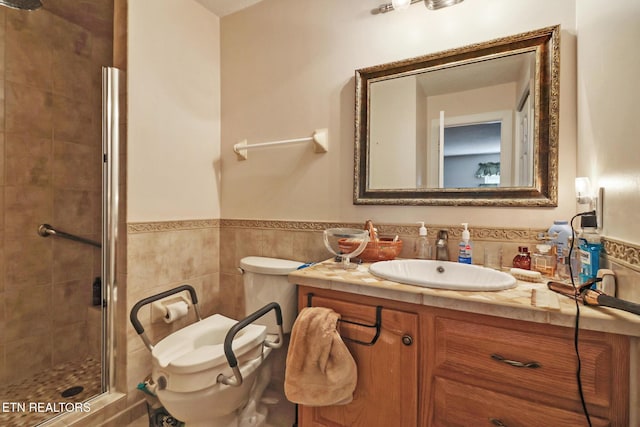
(187, 363)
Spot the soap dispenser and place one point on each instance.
(464, 247)
(422, 249)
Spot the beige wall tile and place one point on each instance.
(3, 366)
(74, 345)
(74, 165)
(94, 332)
(28, 260)
(25, 208)
(72, 261)
(76, 211)
(28, 110)
(3, 321)
(29, 354)
(71, 301)
(2, 148)
(28, 160)
(28, 313)
(74, 119)
(28, 49)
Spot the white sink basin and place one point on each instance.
(442, 275)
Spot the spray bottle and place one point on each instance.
(464, 247)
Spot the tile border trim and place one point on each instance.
(480, 233)
(163, 226)
(615, 250)
(621, 252)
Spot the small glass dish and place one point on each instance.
(335, 239)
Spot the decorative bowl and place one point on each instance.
(383, 249)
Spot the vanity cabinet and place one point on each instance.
(387, 389)
(493, 371)
(462, 369)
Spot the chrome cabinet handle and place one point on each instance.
(515, 363)
(496, 422)
(407, 340)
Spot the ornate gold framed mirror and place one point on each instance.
(471, 126)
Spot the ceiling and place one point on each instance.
(226, 7)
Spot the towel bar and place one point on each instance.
(377, 325)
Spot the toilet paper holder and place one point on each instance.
(170, 309)
(133, 315)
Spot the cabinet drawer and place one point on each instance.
(457, 404)
(544, 363)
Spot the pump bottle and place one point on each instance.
(464, 247)
(422, 249)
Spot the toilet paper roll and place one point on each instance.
(175, 311)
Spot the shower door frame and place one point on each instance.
(112, 78)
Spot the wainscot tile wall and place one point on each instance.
(207, 254)
(302, 241)
(161, 256)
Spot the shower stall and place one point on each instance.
(58, 205)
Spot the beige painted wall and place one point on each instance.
(172, 169)
(608, 124)
(288, 68)
(174, 111)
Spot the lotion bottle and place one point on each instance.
(422, 249)
(464, 247)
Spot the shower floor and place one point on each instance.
(39, 398)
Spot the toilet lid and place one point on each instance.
(264, 265)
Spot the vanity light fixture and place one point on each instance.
(403, 4)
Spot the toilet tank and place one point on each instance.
(265, 281)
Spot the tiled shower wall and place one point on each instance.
(50, 172)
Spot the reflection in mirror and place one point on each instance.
(471, 126)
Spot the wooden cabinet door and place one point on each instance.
(386, 394)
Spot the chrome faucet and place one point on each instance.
(442, 246)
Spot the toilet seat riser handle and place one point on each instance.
(133, 316)
(236, 379)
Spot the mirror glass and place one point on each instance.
(471, 126)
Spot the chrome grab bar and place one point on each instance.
(46, 230)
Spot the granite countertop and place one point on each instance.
(517, 303)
